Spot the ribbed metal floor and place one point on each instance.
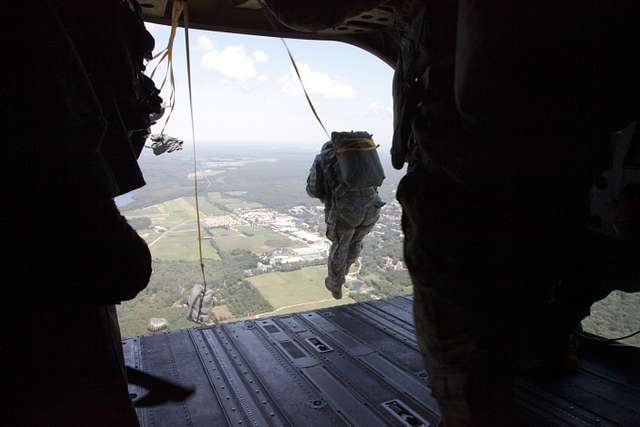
(350, 365)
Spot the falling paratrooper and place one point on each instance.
(164, 143)
(200, 304)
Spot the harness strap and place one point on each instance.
(178, 9)
(271, 19)
(356, 144)
(195, 163)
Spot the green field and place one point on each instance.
(173, 212)
(178, 216)
(230, 202)
(221, 232)
(182, 246)
(152, 212)
(262, 240)
(133, 319)
(207, 208)
(298, 290)
(148, 211)
(222, 313)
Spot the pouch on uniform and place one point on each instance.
(357, 156)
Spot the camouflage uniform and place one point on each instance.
(349, 214)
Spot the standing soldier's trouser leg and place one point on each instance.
(469, 347)
(341, 236)
(469, 359)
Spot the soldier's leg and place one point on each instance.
(354, 249)
(469, 363)
(356, 244)
(340, 235)
(370, 219)
(468, 337)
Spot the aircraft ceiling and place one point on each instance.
(372, 30)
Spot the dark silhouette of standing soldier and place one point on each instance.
(505, 125)
(75, 113)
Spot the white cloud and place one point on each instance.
(377, 108)
(273, 101)
(316, 83)
(260, 56)
(232, 62)
(205, 43)
(262, 78)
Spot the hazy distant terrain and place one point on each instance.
(263, 241)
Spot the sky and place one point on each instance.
(245, 89)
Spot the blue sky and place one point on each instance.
(244, 89)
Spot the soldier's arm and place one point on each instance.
(315, 180)
(89, 253)
(317, 15)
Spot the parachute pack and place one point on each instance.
(358, 159)
(201, 302)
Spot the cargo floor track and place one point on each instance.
(353, 365)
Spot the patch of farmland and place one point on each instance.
(257, 241)
(206, 206)
(298, 290)
(222, 313)
(182, 246)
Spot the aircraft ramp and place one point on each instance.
(353, 365)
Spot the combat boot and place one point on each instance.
(334, 288)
